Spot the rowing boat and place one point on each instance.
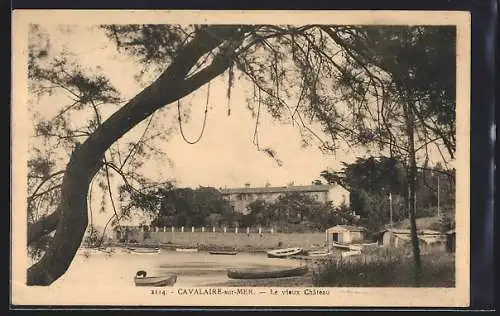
(319, 253)
(165, 280)
(222, 252)
(263, 273)
(186, 249)
(350, 253)
(347, 247)
(284, 253)
(341, 246)
(142, 251)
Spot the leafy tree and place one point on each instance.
(214, 219)
(421, 90)
(297, 211)
(370, 180)
(389, 86)
(88, 93)
(258, 214)
(185, 206)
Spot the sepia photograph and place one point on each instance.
(240, 158)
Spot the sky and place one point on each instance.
(225, 156)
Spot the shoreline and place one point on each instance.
(172, 246)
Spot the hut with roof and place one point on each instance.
(397, 237)
(345, 234)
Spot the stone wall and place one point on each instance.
(237, 240)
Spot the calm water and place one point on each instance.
(192, 269)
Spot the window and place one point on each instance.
(335, 237)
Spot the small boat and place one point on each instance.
(263, 273)
(319, 253)
(350, 253)
(223, 252)
(356, 247)
(366, 245)
(284, 253)
(152, 251)
(186, 249)
(341, 246)
(165, 280)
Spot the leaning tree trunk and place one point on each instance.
(412, 172)
(86, 159)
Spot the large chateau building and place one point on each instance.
(240, 198)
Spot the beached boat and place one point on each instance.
(284, 253)
(351, 253)
(186, 249)
(165, 280)
(145, 251)
(348, 247)
(355, 247)
(319, 253)
(341, 246)
(223, 252)
(265, 273)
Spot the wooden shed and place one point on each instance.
(345, 234)
(398, 237)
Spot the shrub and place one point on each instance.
(386, 267)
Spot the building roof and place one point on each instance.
(429, 232)
(396, 230)
(346, 228)
(283, 189)
(408, 231)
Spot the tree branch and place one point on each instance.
(34, 194)
(86, 160)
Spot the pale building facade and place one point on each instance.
(240, 198)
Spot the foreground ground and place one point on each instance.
(438, 270)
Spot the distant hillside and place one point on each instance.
(422, 223)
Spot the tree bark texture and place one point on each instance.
(42, 227)
(412, 173)
(85, 161)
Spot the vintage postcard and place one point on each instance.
(240, 158)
